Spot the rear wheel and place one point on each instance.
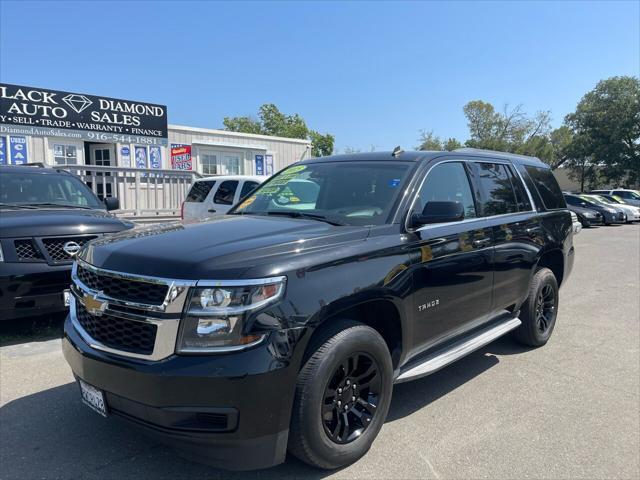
(539, 311)
(342, 397)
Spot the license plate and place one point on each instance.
(66, 295)
(93, 397)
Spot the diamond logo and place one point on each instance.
(77, 102)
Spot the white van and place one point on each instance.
(212, 196)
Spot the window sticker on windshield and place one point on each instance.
(295, 169)
(394, 182)
(247, 202)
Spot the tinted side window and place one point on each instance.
(199, 191)
(522, 198)
(572, 200)
(447, 182)
(247, 187)
(497, 196)
(225, 193)
(623, 194)
(547, 186)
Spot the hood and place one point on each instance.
(582, 210)
(52, 222)
(223, 248)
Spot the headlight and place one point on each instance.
(589, 215)
(610, 210)
(1, 254)
(215, 316)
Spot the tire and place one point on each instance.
(343, 357)
(537, 325)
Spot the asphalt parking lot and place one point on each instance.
(568, 410)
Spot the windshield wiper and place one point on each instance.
(311, 216)
(51, 204)
(15, 205)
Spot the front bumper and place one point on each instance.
(228, 410)
(592, 221)
(32, 289)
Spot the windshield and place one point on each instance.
(593, 199)
(33, 189)
(345, 193)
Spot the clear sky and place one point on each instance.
(371, 73)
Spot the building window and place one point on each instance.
(65, 154)
(209, 164)
(231, 165)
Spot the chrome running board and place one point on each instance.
(442, 358)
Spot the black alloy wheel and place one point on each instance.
(545, 308)
(539, 311)
(351, 398)
(343, 394)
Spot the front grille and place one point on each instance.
(55, 247)
(122, 288)
(26, 250)
(118, 333)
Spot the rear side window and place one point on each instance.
(200, 190)
(447, 182)
(247, 187)
(226, 192)
(547, 186)
(497, 195)
(521, 194)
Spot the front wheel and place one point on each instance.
(539, 311)
(342, 397)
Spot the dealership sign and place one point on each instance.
(42, 112)
(181, 157)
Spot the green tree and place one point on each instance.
(451, 144)
(271, 121)
(321, 145)
(429, 141)
(242, 124)
(606, 129)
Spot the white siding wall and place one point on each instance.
(285, 151)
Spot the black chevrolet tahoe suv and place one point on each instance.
(283, 325)
(46, 216)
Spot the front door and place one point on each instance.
(452, 262)
(102, 155)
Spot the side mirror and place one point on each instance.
(438, 212)
(112, 203)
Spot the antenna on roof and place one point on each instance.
(397, 151)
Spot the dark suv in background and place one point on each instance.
(284, 324)
(46, 216)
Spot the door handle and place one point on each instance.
(481, 242)
(212, 210)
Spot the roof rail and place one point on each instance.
(495, 152)
(32, 164)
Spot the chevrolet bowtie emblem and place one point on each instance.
(93, 305)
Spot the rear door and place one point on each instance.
(452, 262)
(516, 229)
(196, 204)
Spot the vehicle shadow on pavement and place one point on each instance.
(50, 434)
(36, 329)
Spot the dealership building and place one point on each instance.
(63, 128)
